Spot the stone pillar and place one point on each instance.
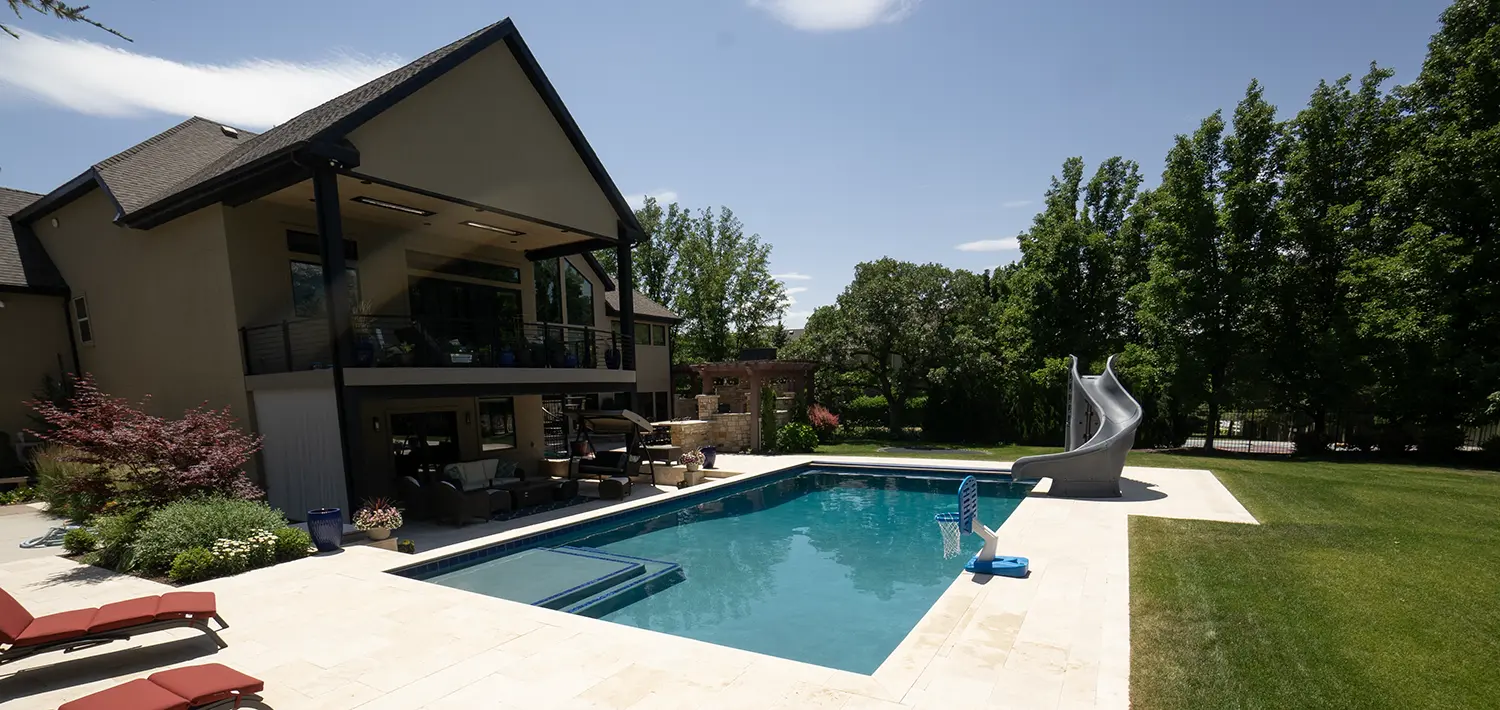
(708, 405)
(752, 407)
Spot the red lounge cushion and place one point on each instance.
(131, 612)
(13, 618)
(207, 683)
(56, 627)
(140, 694)
(178, 605)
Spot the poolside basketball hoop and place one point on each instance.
(954, 525)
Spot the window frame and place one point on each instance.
(658, 330)
(353, 271)
(480, 419)
(83, 319)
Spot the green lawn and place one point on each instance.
(1367, 585)
(872, 448)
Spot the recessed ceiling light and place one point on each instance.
(392, 206)
(492, 228)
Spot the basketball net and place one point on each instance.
(948, 524)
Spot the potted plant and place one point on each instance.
(377, 518)
(691, 459)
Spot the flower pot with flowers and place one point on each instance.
(691, 459)
(377, 518)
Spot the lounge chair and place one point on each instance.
(210, 685)
(69, 631)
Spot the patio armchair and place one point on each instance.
(444, 501)
(67, 631)
(207, 687)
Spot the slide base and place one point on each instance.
(1000, 566)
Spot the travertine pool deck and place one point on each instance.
(336, 632)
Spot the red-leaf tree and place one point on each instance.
(157, 460)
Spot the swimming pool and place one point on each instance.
(831, 566)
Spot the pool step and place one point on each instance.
(655, 576)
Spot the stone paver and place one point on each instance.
(337, 632)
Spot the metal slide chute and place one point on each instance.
(1094, 459)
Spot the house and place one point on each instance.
(397, 279)
(653, 352)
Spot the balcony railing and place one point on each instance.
(418, 341)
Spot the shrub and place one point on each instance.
(797, 438)
(117, 536)
(292, 544)
(1491, 445)
(194, 564)
(767, 419)
(80, 541)
(1393, 440)
(867, 412)
(407, 546)
(824, 422)
(18, 495)
(200, 522)
(158, 460)
(71, 489)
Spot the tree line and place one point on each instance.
(1344, 259)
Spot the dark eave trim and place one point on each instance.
(544, 87)
(69, 191)
(476, 205)
(570, 249)
(59, 291)
(207, 193)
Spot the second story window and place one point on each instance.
(548, 291)
(580, 297)
(85, 326)
(307, 289)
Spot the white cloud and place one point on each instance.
(795, 319)
(665, 197)
(1011, 204)
(100, 80)
(791, 276)
(791, 295)
(1005, 244)
(796, 290)
(835, 15)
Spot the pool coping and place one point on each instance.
(888, 674)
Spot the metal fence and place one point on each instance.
(1264, 431)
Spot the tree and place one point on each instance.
(1338, 150)
(59, 10)
(1181, 307)
(655, 258)
(723, 289)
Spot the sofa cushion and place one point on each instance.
(13, 618)
(138, 694)
(56, 627)
(210, 682)
(505, 470)
(131, 612)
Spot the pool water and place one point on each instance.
(827, 566)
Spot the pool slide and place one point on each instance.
(1092, 459)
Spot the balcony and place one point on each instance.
(395, 341)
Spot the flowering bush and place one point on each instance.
(157, 460)
(199, 522)
(378, 514)
(230, 556)
(824, 422)
(691, 457)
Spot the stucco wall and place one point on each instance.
(34, 331)
(481, 133)
(160, 302)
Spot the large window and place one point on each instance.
(658, 335)
(580, 296)
(548, 291)
(497, 424)
(307, 289)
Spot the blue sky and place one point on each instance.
(839, 130)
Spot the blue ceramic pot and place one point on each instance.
(709, 454)
(326, 526)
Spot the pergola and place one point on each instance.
(797, 373)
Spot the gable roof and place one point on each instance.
(137, 175)
(644, 306)
(24, 265)
(330, 123)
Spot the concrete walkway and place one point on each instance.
(23, 522)
(337, 632)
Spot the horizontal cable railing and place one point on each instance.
(420, 341)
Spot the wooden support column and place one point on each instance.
(336, 299)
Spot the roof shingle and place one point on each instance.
(23, 262)
(644, 306)
(142, 173)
